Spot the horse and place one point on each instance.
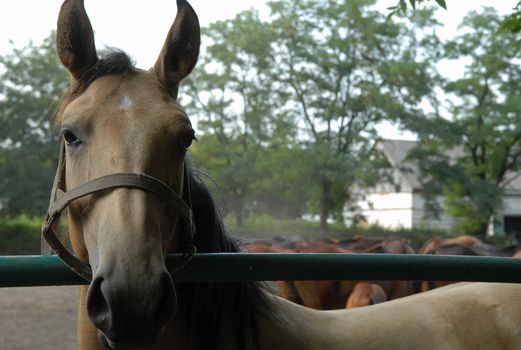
(131, 199)
(365, 294)
(330, 295)
(451, 249)
(434, 243)
(285, 289)
(323, 294)
(393, 245)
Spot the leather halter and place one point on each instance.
(60, 200)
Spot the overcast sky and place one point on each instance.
(139, 27)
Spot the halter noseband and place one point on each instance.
(60, 200)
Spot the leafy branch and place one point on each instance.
(401, 6)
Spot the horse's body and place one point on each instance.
(437, 242)
(463, 316)
(119, 119)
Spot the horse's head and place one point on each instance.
(119, 119)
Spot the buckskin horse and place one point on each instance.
(130, 199)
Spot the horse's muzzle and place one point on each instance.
(143, 343)
(130, 316)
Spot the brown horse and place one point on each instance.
(285, 289)
(119, 119)
(329, 295)
(435, 243)
(393, 245)
(450, 249)
(365, 294)
(324, 295)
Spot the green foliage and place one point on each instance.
(257, 226)
(282, 189)
(20, 235)
(512, 24)
(31, 81)
(287, 110)
(231, 95)
(503, 241)
(265, 227)
(401, 6)
(471, 157)
(288, 106)
(344, 69)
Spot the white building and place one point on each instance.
(401, 204)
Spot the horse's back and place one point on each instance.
(459, 316)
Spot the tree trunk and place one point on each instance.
(239, 213)
(482, 230)
(238, 218)
(325, 200)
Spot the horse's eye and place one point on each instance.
(70, 138)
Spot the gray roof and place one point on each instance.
(397, 150)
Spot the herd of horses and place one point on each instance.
(131, 199)
(330, 295)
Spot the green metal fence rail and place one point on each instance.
(50, 271)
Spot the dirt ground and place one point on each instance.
(38, 318)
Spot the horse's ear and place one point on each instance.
(179, 53)
(75, 38)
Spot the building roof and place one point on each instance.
(396, 152)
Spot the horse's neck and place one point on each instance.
(283, 326)
(288, 326)
(292, 326)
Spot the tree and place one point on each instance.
(31, 81)
(512, 24)
(288, 107)
(401, 6)
(282, 189)
(483, 133)
(230, 94)
(344, 68)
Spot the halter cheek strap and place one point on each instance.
(60, 200)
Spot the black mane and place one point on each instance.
(203, 305)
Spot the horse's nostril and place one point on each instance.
(97, 306)
(125, 313)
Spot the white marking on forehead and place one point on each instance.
(126, 104)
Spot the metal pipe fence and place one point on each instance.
(50, 270)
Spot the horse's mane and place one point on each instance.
(203, 305)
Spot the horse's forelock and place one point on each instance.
(113, 62)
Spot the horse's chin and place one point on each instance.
(143, 343)
(104, 341)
